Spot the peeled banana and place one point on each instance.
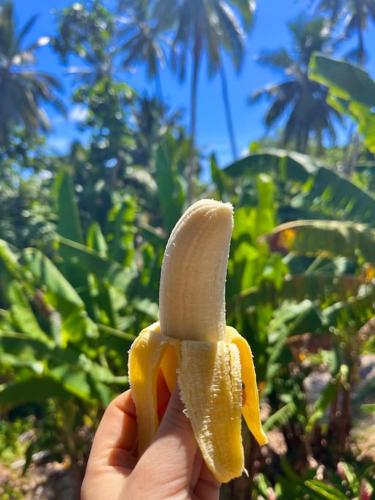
(192, 346)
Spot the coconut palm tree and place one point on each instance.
(144, 38)
(206, 29)
(356, 15)
(23, 89)
(299, 101)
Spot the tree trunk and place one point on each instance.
(361, 45)
(158, 87)
(193, 114)
(228, 114)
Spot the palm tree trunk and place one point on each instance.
(158, 86)
(194, 88)
(361, 45)
(228, 114)
(193, 114)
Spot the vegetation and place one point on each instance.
(82, 235)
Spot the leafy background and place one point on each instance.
(82, 236)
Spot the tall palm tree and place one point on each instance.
(145, 41)
(207, 29)
(23, 89)
(301, 102)
(355, 15)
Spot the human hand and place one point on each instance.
(171, 468)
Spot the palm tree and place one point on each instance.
(144, 37)
(301, 102)
(356, 15)
(23, 89)
(206, 29)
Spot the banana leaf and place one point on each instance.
(325, 238)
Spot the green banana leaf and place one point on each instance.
(96, 240)
(61, 297)
(345, 80)
(9, 260)
(325, 490)
(68, 223)
(91, 262)
(170, 193)
(22, 314)
(354, 311)
(321, 186)
(36, 388)
(325, 238)
(351, 92)
(319, 286)
(285, 165)
(48, 276)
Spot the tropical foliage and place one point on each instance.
(22, 88)
(301, 101)
(82, 236)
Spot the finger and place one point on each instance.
(207, 487)
(198, 461)
(163, 395)
(173, 449)
(115, 440)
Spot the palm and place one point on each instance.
(22, 88)
(144, 42)
(356, 13)
(297, 100)
(205, 29)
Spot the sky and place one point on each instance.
(269, 32)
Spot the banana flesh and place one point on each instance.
(192, 345)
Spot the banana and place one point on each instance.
(192, 345)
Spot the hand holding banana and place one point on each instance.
(192, 345)
(137, 453)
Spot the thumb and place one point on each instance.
(173, 450)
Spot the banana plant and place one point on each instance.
(66, 322)
(351, 90)
(306, 189)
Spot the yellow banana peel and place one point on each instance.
(192, 345)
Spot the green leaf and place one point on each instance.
(32, 389)
(355, 311)
(325, 490)
(169, 190)
(325, 238)
(62, 297)
(322, 187)
(9, 259)
(22, 313)
(352, 91)
(280, 417)
(319, 286)
(341, 197)
(282, 164)
(96, 240)
(90, 261)
(368, 407)
(220, 179)
(321, 404)
(343, 79)
(68, 224)
(47, 275)
(73, 380)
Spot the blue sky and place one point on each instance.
(269, 32)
